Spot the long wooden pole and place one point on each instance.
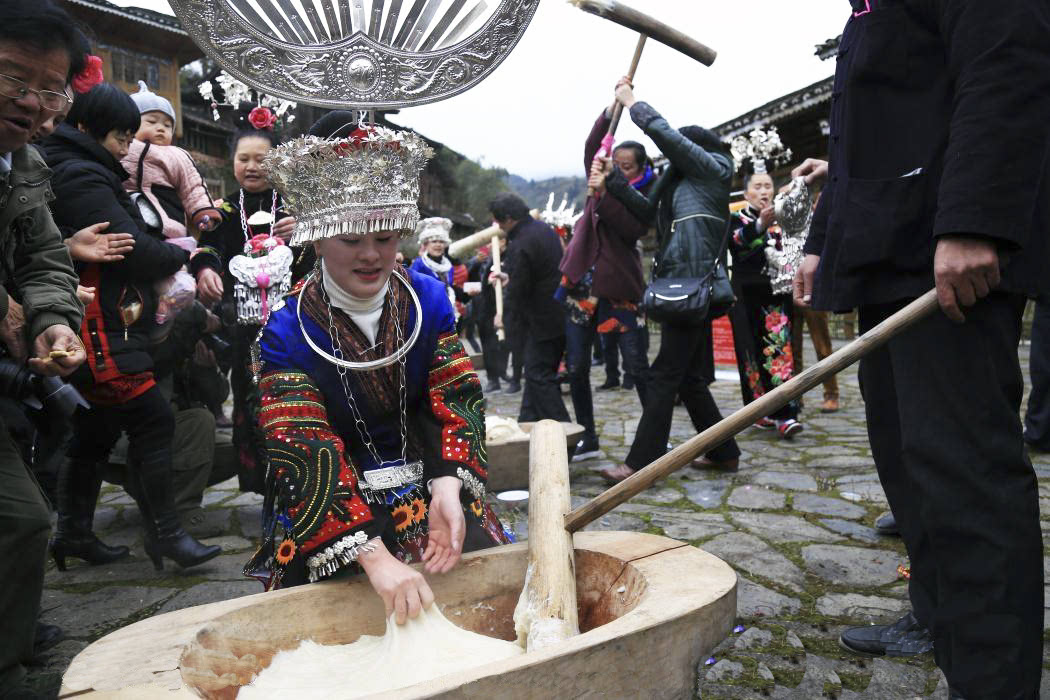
(497, 267)
(635, 60)
(746, 416)
(614, 122)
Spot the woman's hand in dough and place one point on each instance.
(403, 589)
(447, 526)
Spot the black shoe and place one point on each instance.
(905, 637)
(164, 534)
(181, 548)
(78, 489)
(586, 448)
(628, 383)
(513, 387)
(609, 384)
(493, 387)
(45, 637)
(886, 524)
(83, 546)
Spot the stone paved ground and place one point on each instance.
(794, 522)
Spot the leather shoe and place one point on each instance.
(886, 524)
(830, 405)
(616, 474)
(727, 465)
(905, 637)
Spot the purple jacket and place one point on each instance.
(605, 238)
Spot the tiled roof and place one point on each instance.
(139, 14)
(778, 109)
(829, 48)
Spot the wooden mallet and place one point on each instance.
(647, 27)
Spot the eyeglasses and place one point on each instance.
(17, 89)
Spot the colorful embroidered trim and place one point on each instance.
(458, 403)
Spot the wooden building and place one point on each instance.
(137, 44)
(801, 117)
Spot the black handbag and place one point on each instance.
(691, 301)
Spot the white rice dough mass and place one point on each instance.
(422, 649)
(500, 430)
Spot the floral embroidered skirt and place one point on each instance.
(762, 339)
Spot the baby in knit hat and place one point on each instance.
(166, 174)
(167, 178)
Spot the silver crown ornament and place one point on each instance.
(365, 182)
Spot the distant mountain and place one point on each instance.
(536, 192)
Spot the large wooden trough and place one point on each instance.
(650, 608)
(509, 460)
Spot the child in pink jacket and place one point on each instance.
(167, 178)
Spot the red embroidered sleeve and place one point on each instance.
(458, 406)
(320, 512)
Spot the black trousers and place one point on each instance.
(24, 529)
(678, 370)
(1037, 418)
(942, 403)
(541, 398)
(517, 335)
(493, 352)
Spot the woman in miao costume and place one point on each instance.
(373, 416)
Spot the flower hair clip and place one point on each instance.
(235, 93)
(91, 76)
(262, 118)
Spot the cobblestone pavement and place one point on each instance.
(795, 523)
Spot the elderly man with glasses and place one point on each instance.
(39, 53)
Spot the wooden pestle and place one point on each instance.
(546, 613)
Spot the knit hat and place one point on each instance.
(148, 101)
(434, 229)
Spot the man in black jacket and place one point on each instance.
(940, 125)
(532, 276)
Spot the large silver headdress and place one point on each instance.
(365, 54)
(762, 148)
(364, 182)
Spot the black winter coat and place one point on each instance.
(940, 125)
(531, 261)
(691, 199)
(87, 181)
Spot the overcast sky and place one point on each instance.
(532, 114)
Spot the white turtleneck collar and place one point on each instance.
(364, 312)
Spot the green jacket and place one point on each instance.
(34, 263)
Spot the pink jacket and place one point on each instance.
(171, 182)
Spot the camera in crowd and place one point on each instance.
(50, 394)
